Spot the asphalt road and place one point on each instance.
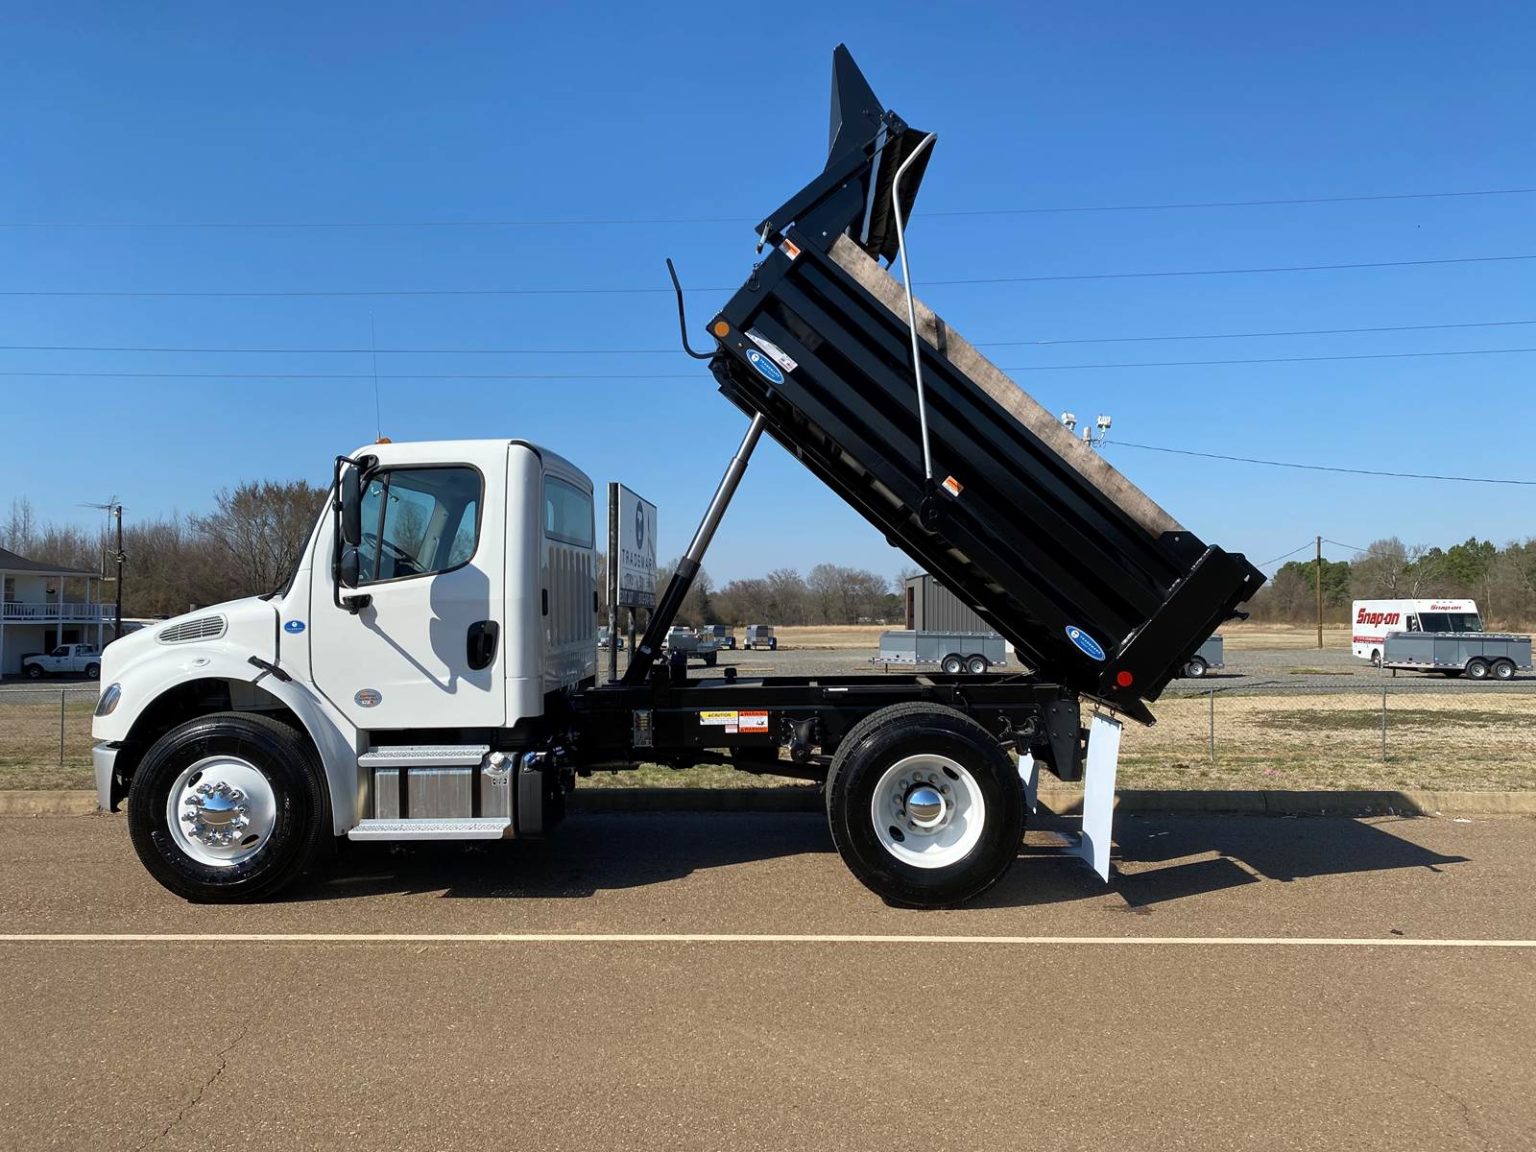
(617, 1004)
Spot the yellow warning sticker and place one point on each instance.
(718, 719)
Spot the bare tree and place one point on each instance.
(260, 527)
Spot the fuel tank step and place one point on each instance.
(424, 756)
(481, 828)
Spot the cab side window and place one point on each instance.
(418, 521)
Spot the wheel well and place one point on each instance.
(188, 701)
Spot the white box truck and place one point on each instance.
(1444, 636)
(1375, 620)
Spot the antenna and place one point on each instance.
(373, 348)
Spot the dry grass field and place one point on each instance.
(830, 637)
(30, 740)
(1330, 741)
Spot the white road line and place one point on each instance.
(737, 938)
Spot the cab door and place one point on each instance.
(424, 649)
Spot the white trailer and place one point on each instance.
(1375, 620)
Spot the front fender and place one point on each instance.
(150, 678)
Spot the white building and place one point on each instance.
(44, 605)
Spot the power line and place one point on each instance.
(1341, 544)
(1287, 556)
(1270, 360)
(1251, 335)
(656, 221)
(312, 350)
(471, 292)
(1323, 467)
(1017, 370)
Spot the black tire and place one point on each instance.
(1451, 673)
(1196, 668)
(1503, 670)
(34, 671)
(773, 645)
(976, 665)
(1477, 670)
(1376, 658)
(877, 742)
(93, 671)
(710, 658)
(303, 822)
(952, 664)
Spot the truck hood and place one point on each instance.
(245, 628)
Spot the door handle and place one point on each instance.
(480, 644)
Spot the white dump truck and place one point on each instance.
(429, 671)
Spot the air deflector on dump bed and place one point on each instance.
(1094, 584)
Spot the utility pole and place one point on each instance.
(117, 616)
(1320, 593)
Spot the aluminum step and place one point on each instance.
(483, 828)
(424, 756)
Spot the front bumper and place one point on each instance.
(103, 760)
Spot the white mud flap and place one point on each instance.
(1029, 772)
(1099, 794)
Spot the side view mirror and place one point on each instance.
(352, 511)
(347, 569)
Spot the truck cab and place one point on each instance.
(448, 592)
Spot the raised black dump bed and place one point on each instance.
(1096, 586)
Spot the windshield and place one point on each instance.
(1450, 622)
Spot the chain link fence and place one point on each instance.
(1418, 733)
(45, 736)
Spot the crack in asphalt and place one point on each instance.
(223, 1058)
(1409, 1072)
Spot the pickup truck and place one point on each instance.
(84, 658)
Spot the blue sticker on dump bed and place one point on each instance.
(1086, 644)
(766, 368)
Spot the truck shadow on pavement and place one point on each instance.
(1162, 858)
(1156, 859)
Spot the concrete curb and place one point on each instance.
(1060, 801)
(17, 802)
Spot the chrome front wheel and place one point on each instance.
(221, 810)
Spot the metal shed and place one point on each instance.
(931, 607)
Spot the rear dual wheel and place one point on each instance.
(925, 807)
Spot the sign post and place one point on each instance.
(631, 563)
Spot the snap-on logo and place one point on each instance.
(766, 368)
(1085, 643)
(1377, 618)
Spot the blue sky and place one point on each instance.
(385, 113)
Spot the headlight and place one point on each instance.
(109, 699)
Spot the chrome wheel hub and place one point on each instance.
(215, 814)
(221, 810)
(928, 811)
